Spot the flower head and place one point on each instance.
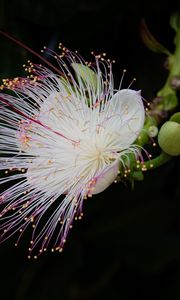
(63, 138)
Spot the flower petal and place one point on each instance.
(107, 178)
(129, 114)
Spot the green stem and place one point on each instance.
(168, 97)
(137, 173)
(154, 163)
(168, 94)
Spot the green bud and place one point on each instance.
(169, 138)
(152, 131)
(175, 117)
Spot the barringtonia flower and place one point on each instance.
(63, 138)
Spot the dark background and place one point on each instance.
(128, 243)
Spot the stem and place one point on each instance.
(154, 163)
(174, 68)
(166, 95)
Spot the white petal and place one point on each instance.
(106, 178)
(128, 108)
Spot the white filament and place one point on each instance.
(68, 140)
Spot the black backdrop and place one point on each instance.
(128, 243)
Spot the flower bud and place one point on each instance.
(169, 138)
(152, 131)
(175, 117)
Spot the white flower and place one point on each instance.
(62, 136)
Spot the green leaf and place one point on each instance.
(150, 41)
(69, 88)
(86, 74)
(169, 98)
(175, 21)
(170, 101)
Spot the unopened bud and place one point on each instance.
(169, 138)
(152, 131)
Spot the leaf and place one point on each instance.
(169, 98)
(150, 41)
(175, 21)
(87, 75)
(68, 87)
(170, 101)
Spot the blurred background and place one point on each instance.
(128, 242)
